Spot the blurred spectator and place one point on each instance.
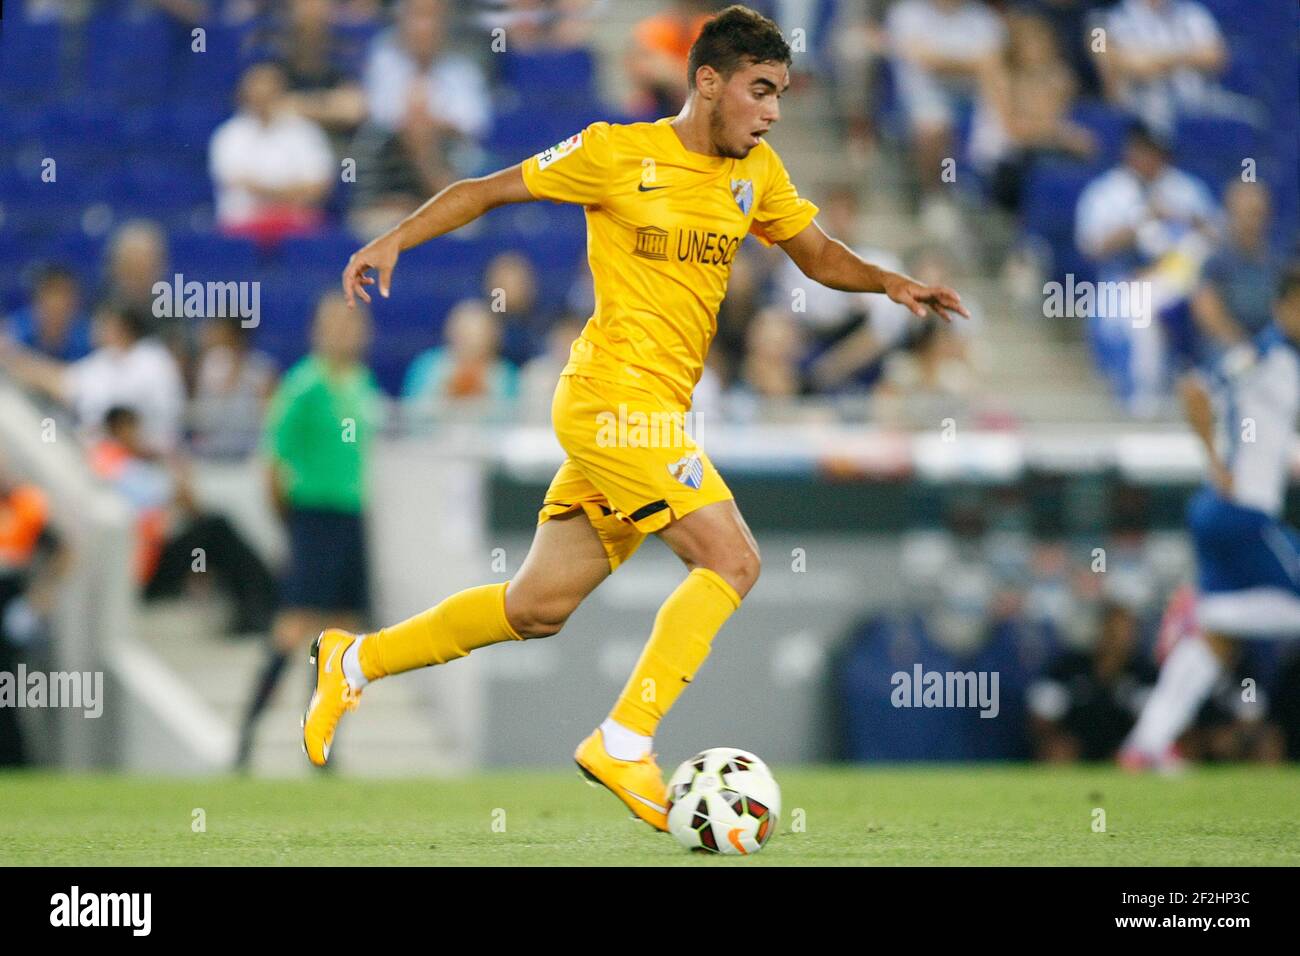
(317, 437)
(1144, 220)
(136, 262)
(53, 324)
(849, 332)
(938, 361)
(656, 57)
(939, 49)
(1024, 111)
(856, 44)
(744, 297)
(234, 383)
(1086, 702)
(544, 24)
(1070, 21)
(426, 107)
(468, 367)
(308, 51)
(510, 287)
(538, 377)
(31, 563)
(815, 19)
(172, 530)
(773, 355)
(127, 368)
(1160, 58)
(272, 168)
(200, 12)
(1234, 301)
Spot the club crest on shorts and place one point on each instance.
(689, 470)
(742, 190)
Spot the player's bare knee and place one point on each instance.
(748, 566)
(539, 619)
(739, 568)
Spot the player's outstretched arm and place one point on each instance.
(835, 265)
(460, 203)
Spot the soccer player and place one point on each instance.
(1248, 560)
(667, 205)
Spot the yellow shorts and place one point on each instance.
(631, 466)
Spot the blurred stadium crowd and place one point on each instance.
(1038, 139)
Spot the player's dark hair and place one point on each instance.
(736, 37)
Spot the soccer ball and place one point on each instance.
(723, 800)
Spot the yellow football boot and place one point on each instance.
(332, 695)
(638, 783)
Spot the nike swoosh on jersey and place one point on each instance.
(643, 188)
(649, 803)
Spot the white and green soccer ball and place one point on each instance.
(723, 800)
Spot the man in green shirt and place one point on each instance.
(317, 436)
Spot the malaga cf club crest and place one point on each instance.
(689, 470)
(742, 190)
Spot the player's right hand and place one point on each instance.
(379, 254)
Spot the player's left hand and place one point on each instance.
(918, 298)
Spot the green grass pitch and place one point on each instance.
(1007, 815)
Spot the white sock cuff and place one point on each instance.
(356, 678)
(622, 743)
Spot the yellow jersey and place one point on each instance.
(663, 227)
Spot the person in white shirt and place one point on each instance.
(272, 168)
(939, 50)
(1248, 559)
(1134, 221)
(426, 108)
(232, 386)
(408, 63)
(1161, 59)
(127, 369)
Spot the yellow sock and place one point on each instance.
(473, 618)
(683, 632)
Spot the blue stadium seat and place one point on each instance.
(520, 130)
(552, 76)
(81, 253)
(31, 62)
(128, 60)
(211, 76)
(1108, 125)
(205, 256)
(1050, 197)
(191, 122)
(1212, 149)
(354, 41)
(327, 252)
